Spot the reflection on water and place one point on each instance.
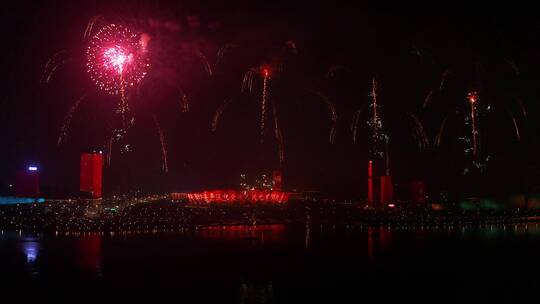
(88, 253)
(261, 264)
(260, 233)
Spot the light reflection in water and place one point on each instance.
(88, 253)
(261, 233)
(30, 248)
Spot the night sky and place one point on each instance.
(494, 50)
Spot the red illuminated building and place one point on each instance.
(27, 182)
(91, 174)
(370, 182)
(235, 196)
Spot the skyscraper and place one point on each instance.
(27, 182)
(91, 174)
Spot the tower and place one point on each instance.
(370, 183)
(91, 174)
(27, 182)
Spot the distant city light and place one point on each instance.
(32, 168)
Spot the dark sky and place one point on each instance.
(475, 43)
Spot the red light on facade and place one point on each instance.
(91, 174)
(391, 205)
(238, 196)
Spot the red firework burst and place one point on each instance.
(116, 58)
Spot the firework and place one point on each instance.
(90, 26)
(164, 162)
(333, 114)
(279, 135)
(115, 59)
(420, 133)
(264, 100)
(440, 132)
(206, 64)
(221, 52)
(217, 115)
(354, 124)
(375, 123)
(184, 102)
(516, 128)
(67, 120)
(444, 78)
(57, 60)
(472, 97)
(428, 98)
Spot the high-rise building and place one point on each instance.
(370, 183)
(27, 182)
(91, 174)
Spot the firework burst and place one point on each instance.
(115, 58)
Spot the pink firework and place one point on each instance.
(116, 58)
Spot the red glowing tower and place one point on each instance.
(91, 174)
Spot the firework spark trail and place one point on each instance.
(354, 124)
(416, 51)
(522, 107)
(56, 61)
(513, 65)
(427, 100)
(219, 112)
(440, 132)
(292, 46)
(332, 136)
(222, 51)
(90, 26)
(264, 102)
(164, 162)
(279, 136)
(374, 102)
(516, 128)
(444, 77)
(67, 120)
(247, 82)
(333, 113)
(204, 62)
(184, 102)
(375, 123)
(419, 131)
(473, 98)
